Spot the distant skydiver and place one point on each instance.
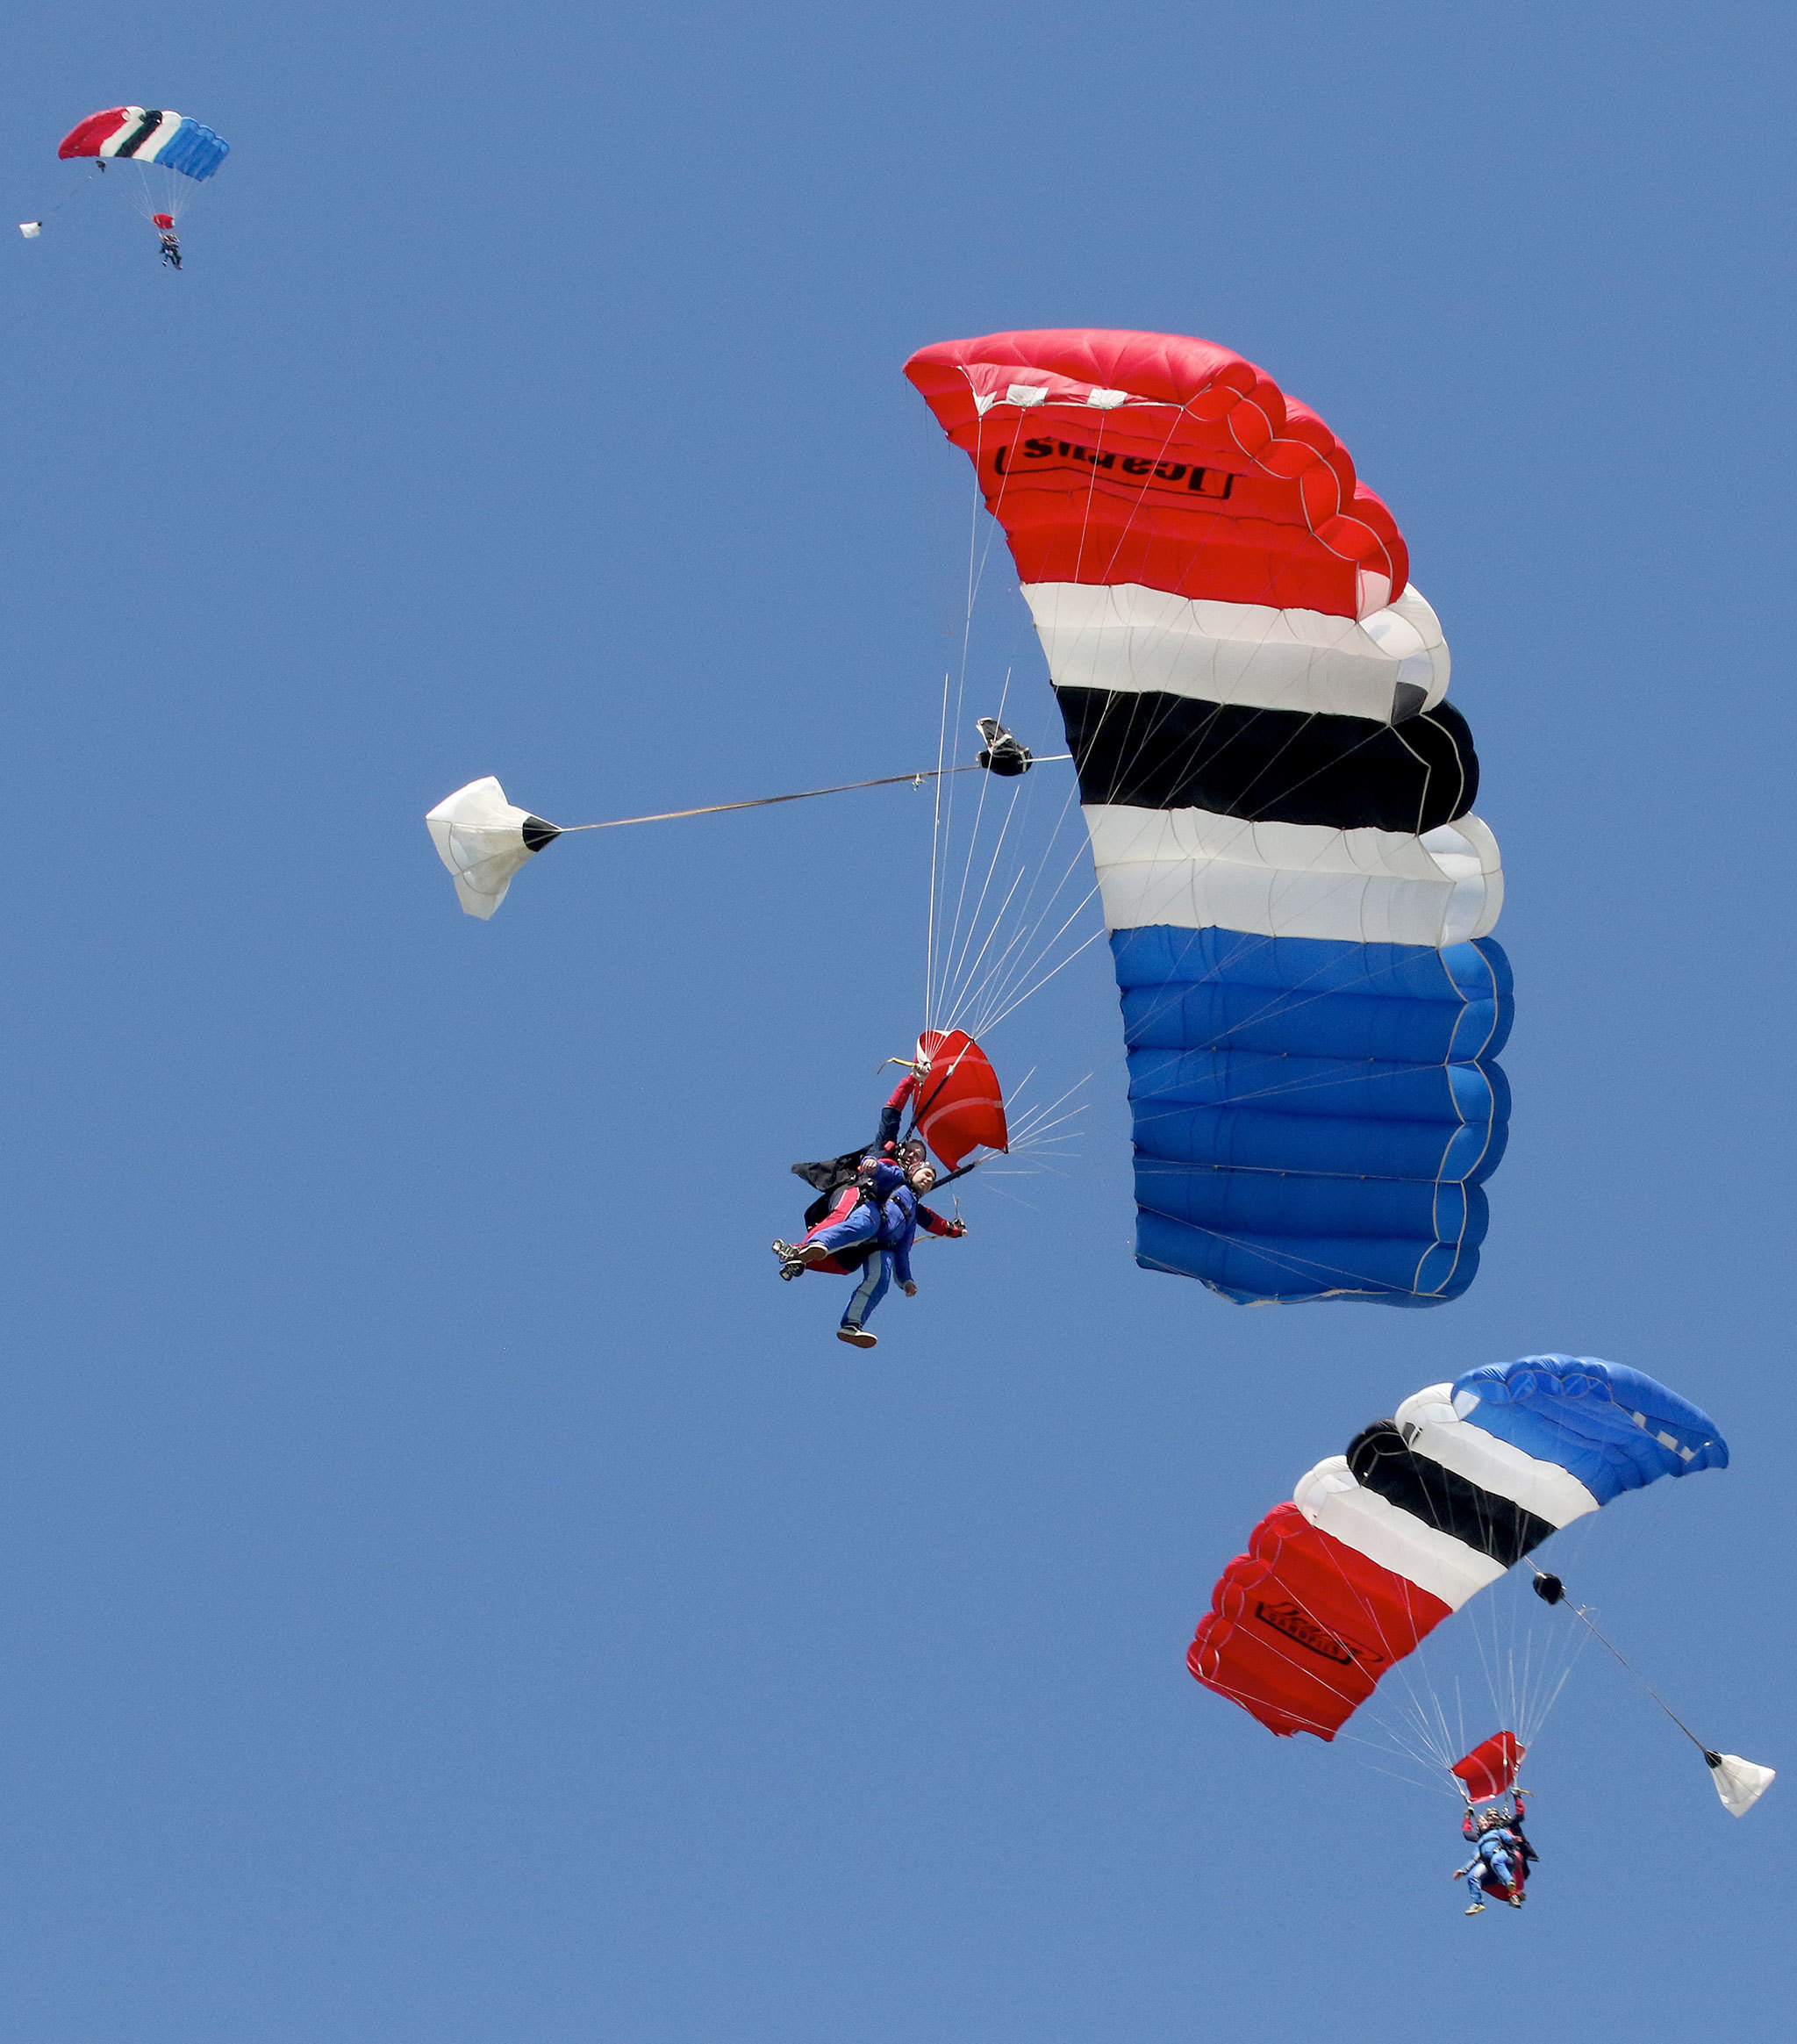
(1502, 1857)
(171, 240)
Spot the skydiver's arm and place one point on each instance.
(936, 1225)
(901, 1258)
(893, 1112)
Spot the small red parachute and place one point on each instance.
(959, 1103)
(1489, 1769)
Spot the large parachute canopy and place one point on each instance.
(1380, 1544)
(147, 135)
(1279, 802)
(163, 157)
(483, 840)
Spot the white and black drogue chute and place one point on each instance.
(483, 840)
(1740, 1783)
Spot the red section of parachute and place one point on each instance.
(1301, 1628)
(959, 1104)
(1192, 471)
(1490, 1768)
(85, 136)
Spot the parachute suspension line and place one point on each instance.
(1036, 986)
(967, 864)
(929, 949)
(975, 579)
(1031, 1132)
(941, 831)
(1579, 1611)
(1020, 956)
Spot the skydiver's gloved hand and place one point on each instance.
(958, 1227)
(910, 1288)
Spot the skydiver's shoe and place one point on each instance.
(809, 1253)
(1516, 1902)
(792, 1269)
(1476, 1908)
(784, 1250)
(859, 1336)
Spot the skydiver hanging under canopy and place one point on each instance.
(866, 1216)
(171, 240)
(1501, 1856)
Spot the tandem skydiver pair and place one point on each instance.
(866, 1216)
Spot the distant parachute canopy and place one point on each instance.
(148, 135)
(31, 229)
(483, 840)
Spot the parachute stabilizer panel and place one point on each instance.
(1280, 801)
(960, 1106)
(1489, 1769)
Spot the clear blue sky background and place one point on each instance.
(448, 1588)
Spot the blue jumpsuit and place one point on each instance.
(1498, 1855)
(886, 1216)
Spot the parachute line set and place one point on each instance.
(160, 159)
(1300, 901)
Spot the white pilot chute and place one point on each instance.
(483, 840)
(1740, 1783)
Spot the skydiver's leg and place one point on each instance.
(1474, 1892)
(874, 1278)
(846, 1201)
(860, 1227)
(1496, 1863)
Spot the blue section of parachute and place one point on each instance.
(193, 149)
(1613, 1427)
(1313, 1119)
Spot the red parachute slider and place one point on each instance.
(1489, 1769)
(960, 1106)
(163, 220)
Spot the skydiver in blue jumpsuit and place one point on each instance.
(1502, 1853)
(883, 1223)
(867, 1217)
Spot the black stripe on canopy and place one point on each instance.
(1155, 751)
(1494, 1524)
(141, 132)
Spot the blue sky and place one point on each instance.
(450, 1590)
